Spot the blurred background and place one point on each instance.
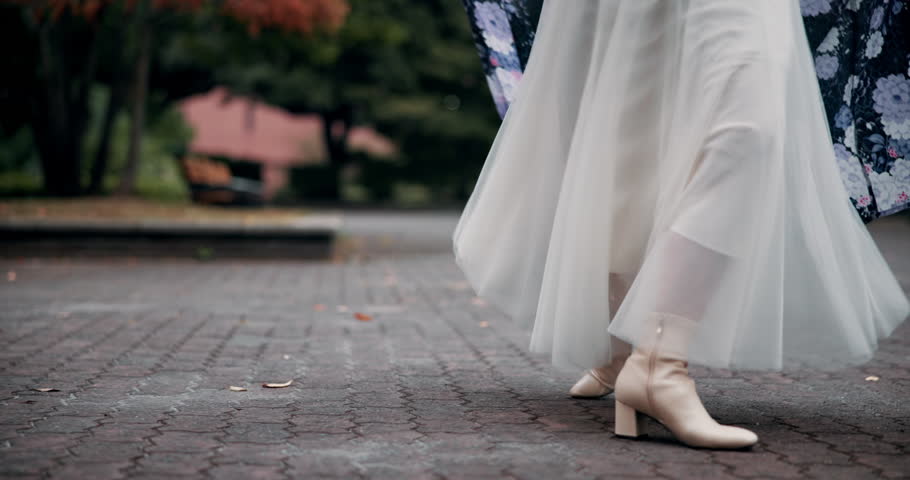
(153, 105)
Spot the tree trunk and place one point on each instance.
(102, 153)
(57, 143)
(60, 110)
(336, 145)
(139, 96)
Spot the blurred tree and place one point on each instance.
(48, 85)
(407, 67)
(57, 45)
(291, 17)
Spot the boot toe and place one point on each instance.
(722, 437)
(746, 438)
(736, 437)
(589, 387)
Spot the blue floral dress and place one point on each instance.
(862, 58)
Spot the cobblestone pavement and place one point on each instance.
(435, 385)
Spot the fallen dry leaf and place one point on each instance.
(11, 276)
(342, 308)
(484, 324)
(363, 317)
(45, 390)
(477, 301)
(319, 307)
(237, 389)
(872, 378)
(278, 385)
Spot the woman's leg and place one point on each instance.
(599, 381)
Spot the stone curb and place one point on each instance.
(311, 237)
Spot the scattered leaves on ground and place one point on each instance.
(479, 302)
(237, 389)
(278, 385)
(363, 317)
(873, 378)
(319, 307)
(484, 324)
(342, 308)
(45, 390)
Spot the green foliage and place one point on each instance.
(165, 136)
(408, 68)
(17, 151)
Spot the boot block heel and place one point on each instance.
(628, 421)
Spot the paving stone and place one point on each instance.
(252, 454)
(247, 472)
(184, 442)
(316, 464)
(891, 466)
(174, 463)
(64, 424)
(257, 432)
(841, 472)
(147, 353)
(193, 423)
(108, 470)
(103, 452)
(321, 423)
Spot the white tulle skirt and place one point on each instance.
(673, 156)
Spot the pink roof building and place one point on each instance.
(242, 128)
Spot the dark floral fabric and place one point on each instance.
(862, 60)
(503, 32)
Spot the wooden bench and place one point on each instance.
(211, 182)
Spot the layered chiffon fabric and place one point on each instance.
(678, 150)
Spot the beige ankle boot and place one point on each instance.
(655, 382)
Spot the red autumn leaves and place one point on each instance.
(288, 15)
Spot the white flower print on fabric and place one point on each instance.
(892, 100)
(850, 138)
(884, 189)
(826, 66)
(494, 23)
(877, 16)
(811, 8)
(509, 80)
(498, 98)
(900, 130)
(851, 173)
(831, 41)
(901, 171)
(900, 174)
(874, 45)
(848, 88)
